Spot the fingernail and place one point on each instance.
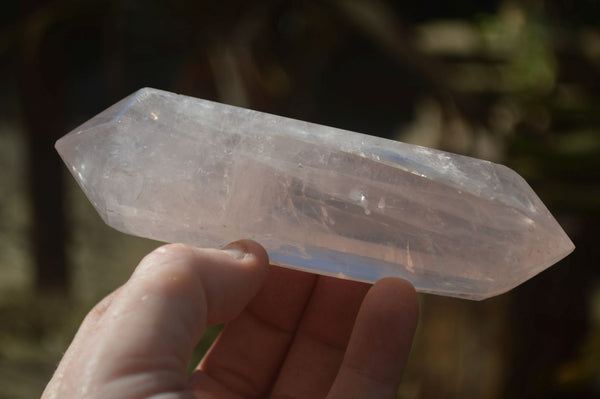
(236, 249)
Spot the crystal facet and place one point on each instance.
(319, 199)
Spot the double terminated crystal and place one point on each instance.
(324, 200)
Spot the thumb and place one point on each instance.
(140, 343)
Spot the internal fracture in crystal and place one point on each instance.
(319, 199)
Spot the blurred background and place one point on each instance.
(511, 81)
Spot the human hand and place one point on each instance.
(289, 334)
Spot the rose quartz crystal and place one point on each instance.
(319, 199)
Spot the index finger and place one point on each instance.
(247, 356)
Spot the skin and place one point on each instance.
(289, 334)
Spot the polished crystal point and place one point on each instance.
(324, 200)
